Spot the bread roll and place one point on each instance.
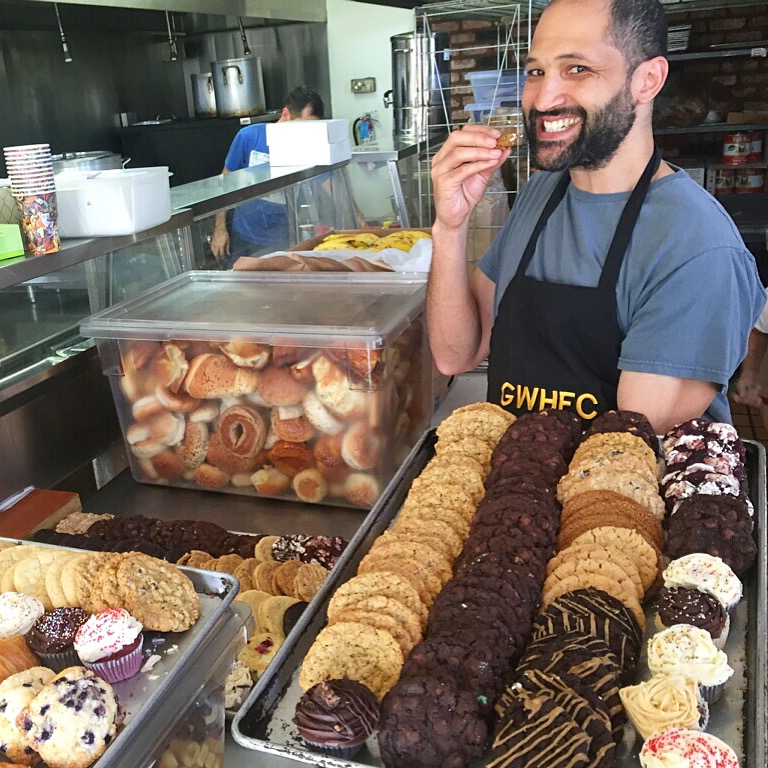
(213, 375)
(277, 387)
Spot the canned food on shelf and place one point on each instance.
(749, 180)
(756, 146)
(737, 148)
(724, 181)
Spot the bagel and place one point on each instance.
(146, 408)
(334, 392)
(330, 462)
(319, 416)
(247, 354)
(167, 428)
(361, 490)
(146, 449)
(194, 448)
(361, 447)
(178, 402)
(222, 458)
(270, 481)
(207, 410)
(168, 465)
(298, 429)
(310, 486)
(277, 387)
(212, 375)
(136, 433)
(242, 430)
(207, 476)
(171, 367)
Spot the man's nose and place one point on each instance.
(546, 92)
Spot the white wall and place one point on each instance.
(358, 46)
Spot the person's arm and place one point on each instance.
(665, 400)
(460, 310)
(746, 387)
(220, 236)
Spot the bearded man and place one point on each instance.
(617, 281)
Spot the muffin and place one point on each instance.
(678, 605)
(708, 574)
(336, 717)
(52, 637)
(689, 651)
(686, 749)
(110, 644)
(18, 612)
(665, 701)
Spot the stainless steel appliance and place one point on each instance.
(87, 161)
(203, 95)
(420, 82)
(239, 87)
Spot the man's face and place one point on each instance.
(577, 99)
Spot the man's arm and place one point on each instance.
(665, 400)
(746, 388)
(220, 236)
(460, 310)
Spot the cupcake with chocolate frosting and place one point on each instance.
(336, 717)
(52, 637)
(679, 605)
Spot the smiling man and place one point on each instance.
(617, 281)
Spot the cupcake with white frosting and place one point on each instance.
(706, 573)
(110, 643)
(682, 748)
(18, 613)
(689, 651)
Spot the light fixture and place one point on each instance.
(246, 47)
(171, 38)
(67, 54)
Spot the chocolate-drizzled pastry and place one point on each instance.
(337, 716)
(625, 421)
(677, 605)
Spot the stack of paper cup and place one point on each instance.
(30, 169)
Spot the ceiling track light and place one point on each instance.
(62, 36)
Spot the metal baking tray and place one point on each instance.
(144, 694)
(740, 718)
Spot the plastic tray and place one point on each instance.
(740, 718)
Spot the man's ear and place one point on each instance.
(285, 114)
(649, 78)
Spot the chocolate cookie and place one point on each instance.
(625, 421)
(427, 721)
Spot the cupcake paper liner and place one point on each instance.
(61, 660)
(118, 669)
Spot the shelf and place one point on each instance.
(757, 52)
(710, 128)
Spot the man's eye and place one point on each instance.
(534, 73)
(577, 69)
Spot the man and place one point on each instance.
(261, 226)
(617, 281)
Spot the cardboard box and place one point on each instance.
(295, 132)
(310, 153)
(695, 169)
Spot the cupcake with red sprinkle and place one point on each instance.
(110, 643)
(687, 749)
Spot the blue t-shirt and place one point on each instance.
(688, 292)
(260, 222)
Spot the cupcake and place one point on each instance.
(336, 717)
(18, 612)
(687, 749)
(678, 605)
(706, 573)
(52, 637)
(689, 651)
(665, 701)
(110, 644)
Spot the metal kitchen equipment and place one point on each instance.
(420, 75)
(203, 95)
(239, 87)
(86, 161)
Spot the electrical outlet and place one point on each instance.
(363, 85)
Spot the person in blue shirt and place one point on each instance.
(617, 281)
(261, 226)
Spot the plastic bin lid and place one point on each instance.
(327, 309)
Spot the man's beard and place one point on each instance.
(599, 138)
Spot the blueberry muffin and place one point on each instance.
(16, 691)
(72, 720)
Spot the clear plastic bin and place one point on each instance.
(287, 385)
(495, 86)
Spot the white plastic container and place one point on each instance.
(494, 86)
(310, 154)
(112, 202)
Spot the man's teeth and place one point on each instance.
(551, 126)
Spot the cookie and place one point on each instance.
(262, 574)
(269, 614)
(447, 496)
(625, 421)
(73, 719)
(16, 692)
(423, 580)
(437, 534)
(258, 652)
(380, 620)
(615, 444)
(578, 554)
(388, 584)
(87, 573)
(469, 445)
(418, 510)
(453, 475)
(643, 553)
(263, 549)
(308, 580)
(356, 651)
(157, 593)
(284, 576)
(395, 545)
(487, 424)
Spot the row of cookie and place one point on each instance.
(157, 593)
(479, 624)
(396, 583)
(405, 569)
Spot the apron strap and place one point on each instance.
(627, 221)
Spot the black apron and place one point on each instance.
(556, 345)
